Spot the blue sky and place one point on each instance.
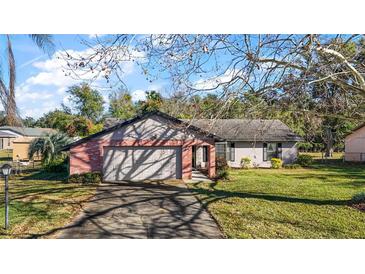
(41, 86)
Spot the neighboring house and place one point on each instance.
(158, 146)
(355, 145)
(260, 140)
(19, 138)
(6, 139)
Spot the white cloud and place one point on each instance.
(138, 95)
(46, 89)
(92, 36)
(214, 82)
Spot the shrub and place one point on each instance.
(221, 163)
(292, 166)
(85, 178)
(246, 162)
(57, 165)
(223, 174)
(304, 160)
(358, 198)
(276, 163)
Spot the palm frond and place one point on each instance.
(48, 146)
(44, 42)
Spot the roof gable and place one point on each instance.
(139, 130)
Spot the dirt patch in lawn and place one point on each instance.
(359, 206)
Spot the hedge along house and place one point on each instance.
(259, 140)
(151, 146)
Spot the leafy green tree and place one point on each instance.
(29, 121)
(86, 101)
(49, 146)
(72, 125)
(153, 102)
(121, 105)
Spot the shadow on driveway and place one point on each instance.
(140, 210)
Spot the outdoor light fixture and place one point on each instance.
(6, 170)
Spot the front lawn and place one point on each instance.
(40, 203)
(288, 203)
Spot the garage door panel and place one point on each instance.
(141, 163)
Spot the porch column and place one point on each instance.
(187, 151)
(211, 161)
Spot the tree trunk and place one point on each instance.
(329, 143)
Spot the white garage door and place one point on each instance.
(141, 163)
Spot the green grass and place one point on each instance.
(299, 203)
(40, 203)
(319, 155)
(6, 155)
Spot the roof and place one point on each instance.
(247, 130)
(28, 131)
(140, 117)
(4, 134)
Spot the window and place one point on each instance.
(8, 142)
(232, 152)
(205, 154)
(221, 150)
(272, 150)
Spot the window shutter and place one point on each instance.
(280, 151)
(232, 153)
(265, 152)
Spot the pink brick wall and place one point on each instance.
(88, 157)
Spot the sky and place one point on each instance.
(41, 85)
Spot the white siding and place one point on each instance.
(255, 152)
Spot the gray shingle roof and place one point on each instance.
(4, 134)
(28, 131)
(247, 130)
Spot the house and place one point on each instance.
(157, 146)
(259, 140)
(355, 145)
(19, 138)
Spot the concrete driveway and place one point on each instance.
(137, 210)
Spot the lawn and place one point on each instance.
(288, 203)
(40, 203)
(6, 155)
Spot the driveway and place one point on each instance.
(137, 210)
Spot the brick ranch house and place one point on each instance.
(157, 146)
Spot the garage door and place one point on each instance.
(141, 163)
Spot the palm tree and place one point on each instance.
(7, 93)
(49, 146)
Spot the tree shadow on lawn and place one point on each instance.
(222, 194)
(45, 176)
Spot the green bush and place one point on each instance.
(276, 163)
(246, 162)
(292, 166)
(304, 160)
(358, 198)
(223, 174)
(85, 178)
(221, 163)
(57, 165)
